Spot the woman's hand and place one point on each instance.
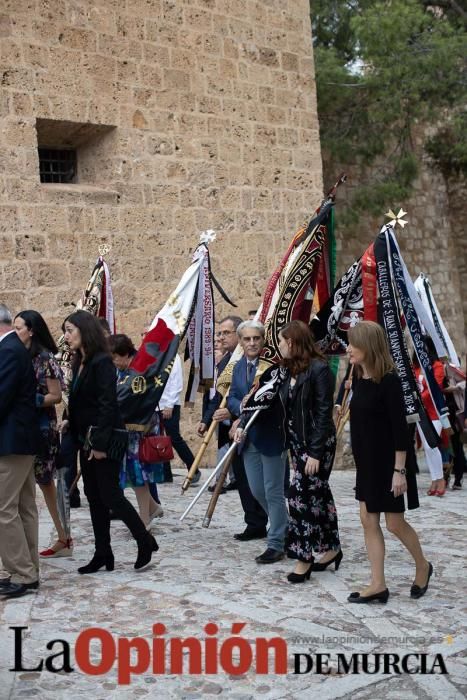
(96, 454)
(167, 413)
(399, 484)
(311, 466)
(238, 437)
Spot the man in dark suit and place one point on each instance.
(19, 442)
(255, 517)
(264, 451)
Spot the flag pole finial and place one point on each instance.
(398, 218)
(103, 249)
(207, 236)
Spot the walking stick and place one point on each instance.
(344, 414)
(206, 439)
(220, 483)
(227, 455)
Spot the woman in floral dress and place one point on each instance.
(32, 330)
(308, 395)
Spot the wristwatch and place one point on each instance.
(400, 471)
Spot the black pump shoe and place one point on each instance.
(318, 566)
(145, 549)
(381, 597)
(96, 563)
(300, 578)
(418, 591)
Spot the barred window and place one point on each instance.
(57, 164)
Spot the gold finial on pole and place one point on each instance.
(104, 248)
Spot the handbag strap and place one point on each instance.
(162, 430)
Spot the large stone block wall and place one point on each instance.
(214, 115)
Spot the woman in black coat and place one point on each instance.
(93, 402)
(308, 396)
(380, 439)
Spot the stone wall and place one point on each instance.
(187, 115)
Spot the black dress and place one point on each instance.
(378, 429)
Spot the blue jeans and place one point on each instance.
(266, 480)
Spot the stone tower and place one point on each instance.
(164, 117)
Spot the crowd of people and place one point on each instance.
(281, 467)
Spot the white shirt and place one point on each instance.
(174, 387)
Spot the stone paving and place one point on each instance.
(203, 575)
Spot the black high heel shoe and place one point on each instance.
(418, 591)
(145, 549)
(300, 578)
(96, 563)
(381, 597)
(318, 566)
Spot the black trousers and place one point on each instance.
(172, 428)
(255, 516)
(100, 478)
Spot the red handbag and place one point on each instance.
(156, 448)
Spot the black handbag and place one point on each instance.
(117, 446)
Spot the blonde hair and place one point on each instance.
(369, 337)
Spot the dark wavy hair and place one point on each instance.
(303, 350)
(93, 339)
(41, 338)
(121, 344)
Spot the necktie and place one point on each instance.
(250, 373)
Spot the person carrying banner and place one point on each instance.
(133, 472)
(264, 453)
(379, 439)
(438, 458)
(255, 517)
(308, 396)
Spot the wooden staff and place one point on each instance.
(206, 439)
(217, 491)
(344, 414)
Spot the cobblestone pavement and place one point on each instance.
(201, 575)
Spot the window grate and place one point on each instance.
(57, 164)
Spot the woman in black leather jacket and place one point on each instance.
(93, 402)
(308, 395)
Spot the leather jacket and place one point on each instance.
(311, 406)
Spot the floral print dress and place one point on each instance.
(133, 472)
(46, 367)
(313, 522)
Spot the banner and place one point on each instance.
(425, 292)
(140, 391)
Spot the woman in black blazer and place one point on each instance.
(93, 402)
